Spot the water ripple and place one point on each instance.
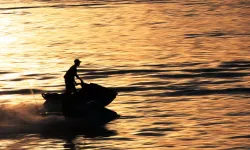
(21, 91)
(51, 6)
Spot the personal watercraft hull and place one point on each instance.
(91, 95)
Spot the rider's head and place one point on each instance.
(77, 62)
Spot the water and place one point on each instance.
(181, 69)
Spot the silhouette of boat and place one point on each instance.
(90, 100)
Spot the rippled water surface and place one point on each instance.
(182, 70)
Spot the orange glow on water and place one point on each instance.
(181, 69)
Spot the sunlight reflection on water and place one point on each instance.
(181, 70)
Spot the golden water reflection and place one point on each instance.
(181, 69)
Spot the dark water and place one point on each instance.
(181, 69)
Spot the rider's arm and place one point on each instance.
(78, 77)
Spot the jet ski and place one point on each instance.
(90, 98)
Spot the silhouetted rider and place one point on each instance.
(70, 77)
